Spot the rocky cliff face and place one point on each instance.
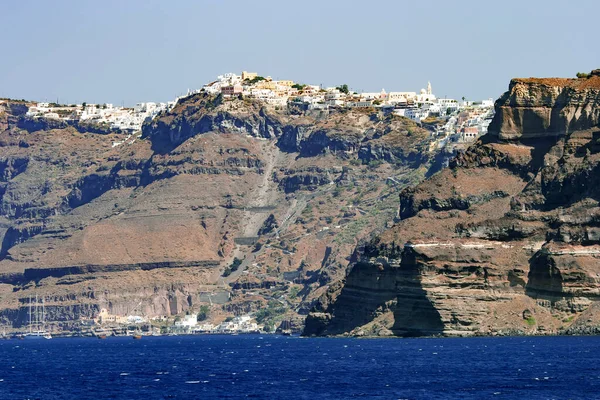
(534, 108)
(505, 241)
(149, 225)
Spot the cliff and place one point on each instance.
(537, 108)
(151, 225)
(505, 241)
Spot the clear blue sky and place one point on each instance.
(128, 51)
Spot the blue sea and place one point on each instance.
(277, 367)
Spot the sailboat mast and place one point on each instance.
(43, 314)
(29, 313)
(37, 314)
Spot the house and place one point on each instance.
(489, 103)
(204, 328)
(448, 106)
(188, 321)
(360, 103)
(469, 134)
(335, 103)
(416, 114)
(400, 97)
(232, 90)
(285, 83)
(262, 94)
(270, 85)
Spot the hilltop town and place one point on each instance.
(450, 120)
(122, 119)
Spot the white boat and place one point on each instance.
(37, 335)
(37, 323)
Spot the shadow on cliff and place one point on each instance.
(367, 291)
(373, 289)
(545, 280)
(414, 315)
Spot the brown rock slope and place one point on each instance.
(148, 225)
(505, 241)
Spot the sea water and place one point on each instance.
(277, 367)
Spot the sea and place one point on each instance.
(288, 367)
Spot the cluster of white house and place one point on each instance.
(185, 324)
(467, 124)
(241, 324)
(117, 118)
(465, 120)
(282, 92)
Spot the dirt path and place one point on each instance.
(265, 194)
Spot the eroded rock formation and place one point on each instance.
(505, 241)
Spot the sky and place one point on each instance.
(124, 52)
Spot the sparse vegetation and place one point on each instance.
(235, 264)
(374, 164)
(203, 313)
(343, 88)
(582, 75)
(294, 290)
(273, 309)
(255, 80)
(351, 231)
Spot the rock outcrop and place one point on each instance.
(546, 107)
(505, 241)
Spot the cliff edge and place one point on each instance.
(505, 241)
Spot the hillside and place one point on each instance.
(505, 241)
(148, 225)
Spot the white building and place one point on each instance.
(426, 95)
(401, 97)
(489, 103)
(188, 321)
(360, 103)
(135, 319)
(416, 114)
(374, 96)
(238, 324)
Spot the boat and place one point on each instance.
(37, 323)
(100, 333)
(137, 334)
(37, 335)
